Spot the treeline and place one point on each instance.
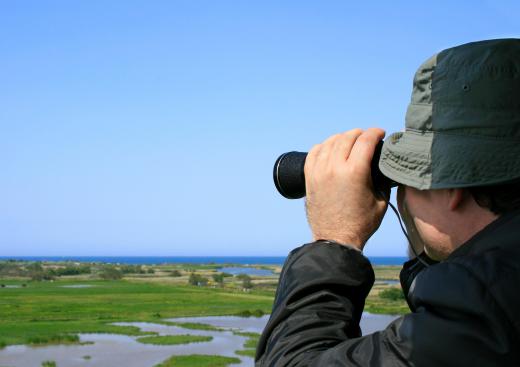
(38, 271)
(201, 281)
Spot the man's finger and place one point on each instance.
(343, 145)
(324, 156)
(363, 150)
(310, 161)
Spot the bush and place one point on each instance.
(132, 269)
(11, 269)
(254, 313)
(72, 270)
(110, 273)
(37, 273)
(44, 275)
(218, 278)
(246, 281)
(393, 294)
(198, 280)
(53, 339)
(175, 273)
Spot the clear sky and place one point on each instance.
(151, 127)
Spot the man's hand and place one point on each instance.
(341, 204)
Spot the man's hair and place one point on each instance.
(499, 199)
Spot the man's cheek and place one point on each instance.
(415, 240)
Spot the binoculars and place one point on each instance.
(289, 176)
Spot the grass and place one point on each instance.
(53, 339)
(253, 313)
(193, 325)
(250, 344)
(387, 272)
(44, 309)
(174, 339)
(48, 364)
(198, 361)
(246, 352)
(394, 294)
(378, 302)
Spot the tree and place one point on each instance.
(198, 280)
(110, 273)
(175, 273)
(246, 281)
(36, 272)
(132, 269)
(219, 278)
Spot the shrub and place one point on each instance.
(53, 339)
(248, 313)
(393, 294)
(218, 278)
(246, 281)
(110, 273)
(175, 273)
(198, 280)
(40, 276)
(132, 269)
(36, 272)
(72, 270)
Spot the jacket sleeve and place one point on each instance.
(320, 299)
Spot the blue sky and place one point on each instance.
(151, 127)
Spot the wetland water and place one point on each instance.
(245, 270)
(108, 350)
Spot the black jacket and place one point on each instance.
(464, 309)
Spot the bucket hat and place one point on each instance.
(463, 121)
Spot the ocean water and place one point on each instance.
(236, 260)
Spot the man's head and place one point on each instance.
(462, 138)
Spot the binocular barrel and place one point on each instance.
(289, 175)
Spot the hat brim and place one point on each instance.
(437, 160)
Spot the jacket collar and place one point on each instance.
(477, 244)
(480, 241)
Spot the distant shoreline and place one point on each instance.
(142, 260)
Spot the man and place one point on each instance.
(456, 164)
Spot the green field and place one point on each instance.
(174, 339)
(47, 310)
(199, 361)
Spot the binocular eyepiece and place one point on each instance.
(289, 176)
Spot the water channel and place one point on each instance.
(108, 350)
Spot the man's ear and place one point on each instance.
(456, 198)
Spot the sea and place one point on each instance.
(157, 260)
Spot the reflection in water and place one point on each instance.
(110, 350)
(369, 322)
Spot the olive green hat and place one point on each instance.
(463, 122)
